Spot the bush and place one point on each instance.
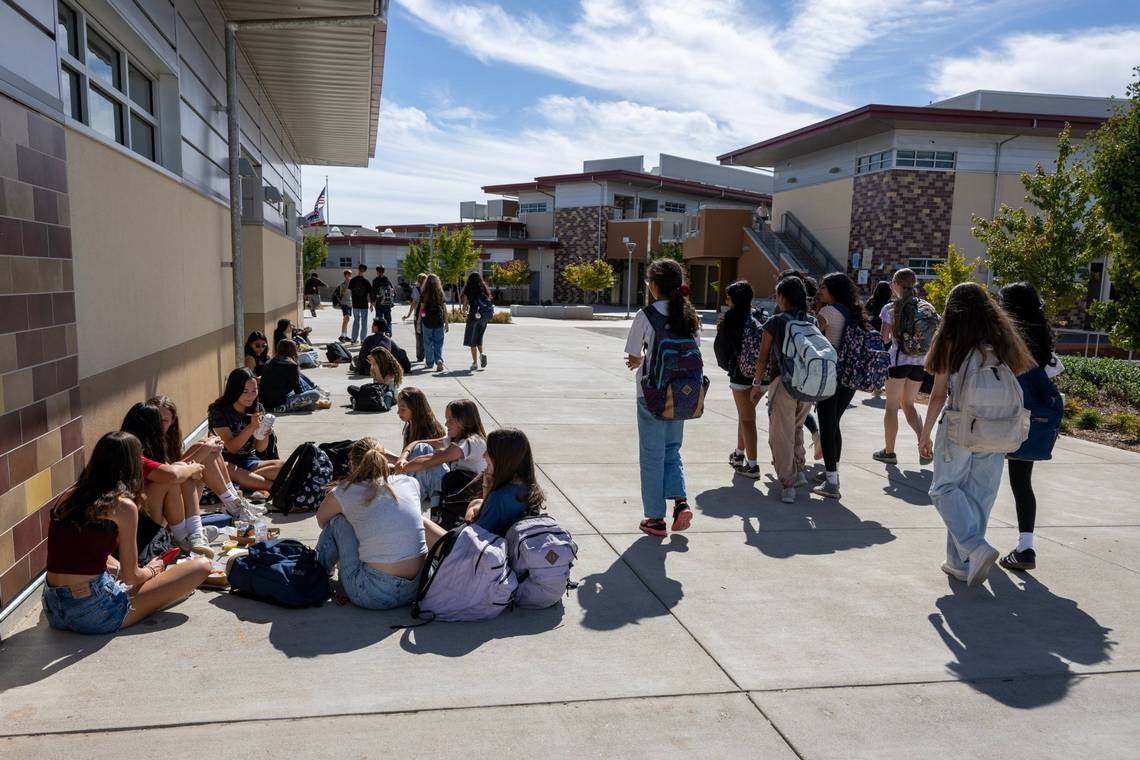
(1125, 423)
(457, 315)
(1111, 379)
(1089, 419)
(1075, 386)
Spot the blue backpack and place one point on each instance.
(674, 383)
(284, 572)
(485, 309)
(1046, 408)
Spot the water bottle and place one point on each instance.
(261, 530)
(265, 426)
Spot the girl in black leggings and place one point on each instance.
(1022, 302)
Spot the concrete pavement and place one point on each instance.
(820, 629)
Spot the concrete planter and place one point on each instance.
(553, 312)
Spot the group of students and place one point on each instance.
(977, 332)
(428, 310)
(283, 387)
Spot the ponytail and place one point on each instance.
(906, 281)
(368, 463)
(669, 278)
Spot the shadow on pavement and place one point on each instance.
(874, 403)
(609, 601)
(458, 639)
(1011, 629)
(809, 526)
(34, 654)
(314, 631)
(912, 486)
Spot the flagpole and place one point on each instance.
(328, 215)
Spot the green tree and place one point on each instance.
(951, 272)
(420, 260)
(514, 272)
(313, 253)
(1115, 179)
(592, 276)
(1052, 243)
(455, 255)
(670, 249)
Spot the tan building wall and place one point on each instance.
(638, 231)
(270, 294)
(755, 267)
(540, 225)
(974, 194)
(154, 306)
(825, 209)
(720, 233)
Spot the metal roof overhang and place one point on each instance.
(874, 119)
(325, 80)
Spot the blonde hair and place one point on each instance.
(906, 280)
(368, 464)
(385, 365)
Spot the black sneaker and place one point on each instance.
(1023, 560)
(736, 460)
(344, 339)
(749, 471)
(483, 360)
(682, 516)
(886, 457)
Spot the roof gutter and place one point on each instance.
(378, 17)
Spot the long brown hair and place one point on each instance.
(465, 412)
(844, 294)
(114, 471)
(384, 366)
(173, 436)
(367, 464)
(669, 279)
(287, 349)
(509, 451)
(432, 294)
(423, 425)
(972, 319)
(906, 281)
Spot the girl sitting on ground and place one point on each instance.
(96, 516)
(965, 482)
(384, 368)
(256, 351)
(372, 529)
(461, 449)
(216, 474)
(172, 489)
(235, 417)
(286, 331)
(283, 388)
(420, 425)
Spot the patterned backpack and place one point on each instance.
(301, 482)
(916, 327)
(750, 341)
(674, 383)
(863, 361)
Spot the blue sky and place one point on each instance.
(483, 91)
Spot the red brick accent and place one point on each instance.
(577, 231)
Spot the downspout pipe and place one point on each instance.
(378, 17)
(997, 166)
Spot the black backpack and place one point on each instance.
(337, 452)
(337, 353)
(457, 489)
(284, 572)
(301, 482)
(374, 397)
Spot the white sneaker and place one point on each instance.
(244, 509)
(981, 560)
(196, 543)
(953, 572)
(788, 496)
(474, 366)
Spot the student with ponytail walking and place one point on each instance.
(662, 474)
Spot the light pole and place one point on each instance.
(629, 246)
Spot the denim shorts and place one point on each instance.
(346, 309)
(101, 611)
(249, 464)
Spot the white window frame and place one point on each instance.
(120, 96)
(873, 162)
(533, 207)
(674, 207)
(923, 266)
(926, 159)
(346, 262)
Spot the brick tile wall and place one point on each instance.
(577, 231)
(41, 428)
(901, 214)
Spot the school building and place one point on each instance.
(883, 187)
(116, 272)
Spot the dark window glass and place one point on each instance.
(72, 94)
(103, 59)
(106, 115)
(68, 30)
(142, 90)
(142, 137)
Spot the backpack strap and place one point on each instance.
(655, 317)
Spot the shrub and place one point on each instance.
(455, 314)
(1089, 419)
(1125, 423)
(592, 276)
(1112, 379)
(1075, 386)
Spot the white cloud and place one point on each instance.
(1092, 62)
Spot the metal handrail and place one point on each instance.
(814, 249)
(776, 245)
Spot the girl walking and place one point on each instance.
(730, 335)
(662, 474)
(974, 332)
(904, 378)
(433, 321)
(840, 309)
(476, 297)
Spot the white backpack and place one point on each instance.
(987, 414)
(808, 362)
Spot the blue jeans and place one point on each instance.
(99, 608)
(963, 490)
(359, 324)
(662, 474)
(365, 585)
(431, 479)
(433, 345)
(385, 312)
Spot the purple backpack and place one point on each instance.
(863, 361)
(674, 383)
(466, 577)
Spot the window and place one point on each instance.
(346, 262)
(674, 207)
(103, 87)
(873, 162)
(536, 207)
(925, 159)
(924, 267)
(647, 207)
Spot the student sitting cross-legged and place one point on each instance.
(283, 388)
(371, 528)
(420, 426)
(98, 515)
(461, 449)
(510, 489)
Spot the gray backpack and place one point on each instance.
(466, 577)
(541, 553)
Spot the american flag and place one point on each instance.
(317, 215)
(320, 204)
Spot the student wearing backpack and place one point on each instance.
(96, 516)
(907, 327)
(414, 313)
(433, 321)
(786, 411)
(476, 297)
(360, 293)
(974, 357)
(737, 326)
(383, 295)
(662, 473)
(840, 309)
(372, 530)
(1023, 304)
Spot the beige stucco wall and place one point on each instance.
(540, 225)
(825, 209)
(974, 194)
(270, 266)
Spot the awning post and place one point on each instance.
(234, 137)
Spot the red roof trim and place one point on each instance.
(512, 187)
(480, 225)
(633, 178)
(337, 240)
(927, 114)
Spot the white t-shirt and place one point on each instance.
(898, 358)
(641, 335)
(473, 448)
(835, 324)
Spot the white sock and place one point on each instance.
(833, 478)
(194, 524)
(180, 530)
(738, 452)
(751, 462)
(1024, 541)
(229, 496)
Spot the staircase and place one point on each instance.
(806, 248)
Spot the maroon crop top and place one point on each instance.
(80, 549)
